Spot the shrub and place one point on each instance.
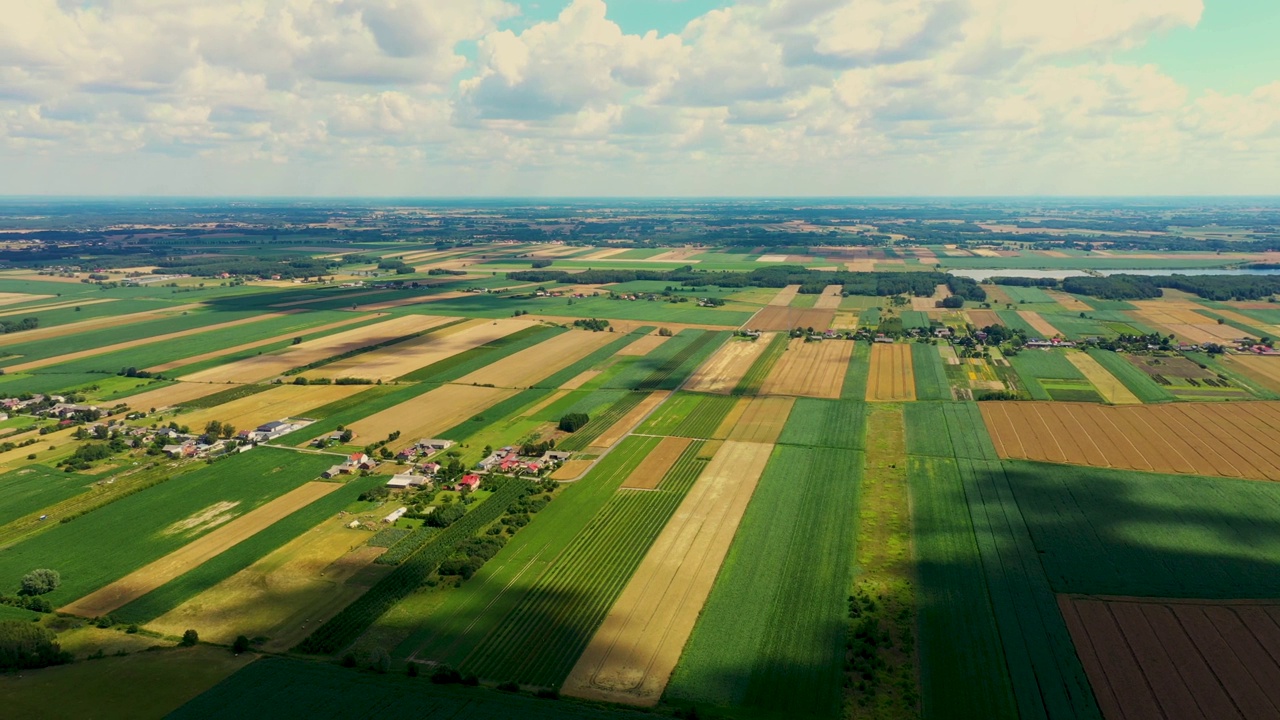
(190, 638)
(41, 581)
(445, 675)
(509, 687)
(25, 646)
(240, 645)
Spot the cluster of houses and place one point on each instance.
(508, 461)
(354, 463)
(403, 481)
(54, 406)
(1050, 343)
(274, 429)
(423, 448)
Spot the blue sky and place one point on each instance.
(640, 97)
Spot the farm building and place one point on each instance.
(396, 515)
(405, 480)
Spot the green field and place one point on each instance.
(601, 421)
(771, 636)
(1138, 382)
(930, 375)
(667, 366)
(108, 543)
(1049, 375)
(689, 415)
(35, 487)
(1026, 295)
(825, 423)
(855, 378)
(599, 356)
(753, 379)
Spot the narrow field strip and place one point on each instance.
(892, 376)
(753, 379)
(587, 434)
(192, 360)
(724, 370)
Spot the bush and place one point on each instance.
(548, 694)
(24, 645)
(573, 421)
(240, 645)
(509, 687)
(41, 581)
(190, 638)
(445, 675)
(380, 661)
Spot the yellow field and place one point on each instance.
(649, 473)
(811, 369)
(530, 365)
(1069, 302)
(286, 594)
(18, 456)
(830, 298)
(892, 373)
(1036, 321)
(249, 346)
(54, 306)
(760, 419)
(580, 379)
(170, 395)
(785, 295)
(722, 371)
(1112, 390)
(263, 367)
(429, 414)
(632, 654)
(9, 298)
(624, 425)
(278, 402)
(403, 358)
(1263, 368)
(572, 469)
(1181, 319)
(143, 580)
(643, 346)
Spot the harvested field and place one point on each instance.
(572, 469)
(1111, 389)
(632, 654)
(983, 318)
(580, 379)
(830, 298)
(429, 414)
(774, 318)
(530, 365)
(278, 402)
(681, 254)
(249, 346)
(760, 419)
(723, 370)
(8, 298)
(1037, 322)
(148, 578)
(548, 400)
(263, 367)
(54, 306)
(1181, 319)
(34, 364)
(1178, 658)
(1224, 439)
(649, 473)
(785, 295)
(171, 395)
(1069, 302)
(1264, 369)
(811, 369)
(644, 345)
(940, 293)
(892, 373)
(996, 295)
(403, 358)
(619, 429)
(283, 595)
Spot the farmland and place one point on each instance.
(892, 375)
(814, 369)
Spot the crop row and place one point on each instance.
(676, 368)
(703, 420)
(584, 435)
(826, 423)
(771, 636)
(930, 376)
(540, 640)
(235, 392)
(468, 361)
(1138, 382)
(947, 429)
(405, 547)
(753, 379)
(242, 554)
(855, 378)
(595, 358)
(343, 629)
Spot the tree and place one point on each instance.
(190, 638)
(573, 421)
(24, 645)
(39, 582)
(228, 430)
(380, 661)
(240, 645)
(297, 340)
(213, 428)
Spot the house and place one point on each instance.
(396, 515)
(361, 461)
(334, 471)
(405, 480)
(433, 445)
(942, 332)
(431, 468)
(881, 338)
(470, 482)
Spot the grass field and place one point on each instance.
(1049, 375)
(1138, 382)
(602, 421)
(108, 543)
(689, 415)
(930, 376)
(35, 487)
(771, 637)
(825, 423)
(754, 377)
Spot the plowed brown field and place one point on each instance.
(830, 298)
(1178, 658)
(785, 296)
(723, 370)
(760, 419)
(774, 318)
(263, 367)
(983, 318)
(1226, 439)
(811, 369)
(429, 414)
(632, 654)
(192, 555)
(892, 373)
(648, 474)
(530, 365)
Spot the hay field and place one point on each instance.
(278, 402)
(1148, 658)
(643, 345)
(1111, 389)
(145, 579)
(723, 370)
(775, 318)
(1182, 320)
(1069, 302)
(760, 419)
(102, 350)
(1264, 369)
(191, 360)
(812, 369)
(530, 365)
(1038, 323)
(649, 473)
(785, 296)
(11, 298)
(940, 293)
(429, 414)
(580, 379)
(632, 654)
(892, 376)
(830, 298)
(262, 367)
(996, 295)
(983, 318)
(171, 395)
(634, 416)
(572, 469)
(286, 593)
(403, 358)
(1225, 439)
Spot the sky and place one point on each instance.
(562, 98)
